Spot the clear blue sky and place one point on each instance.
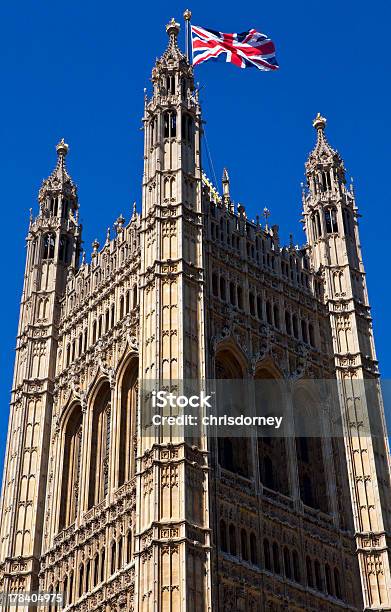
(78, 69)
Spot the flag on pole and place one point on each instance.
(245, 50)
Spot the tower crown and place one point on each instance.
(324, 163)
(59, 180)
(322, 152)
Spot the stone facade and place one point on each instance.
(190, 288)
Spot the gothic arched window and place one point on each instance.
(169, 124)
(153, 131)
(223, 536)
(287, 563)
(71, 468)
(64, 211)
(269, 315)
(112, 315)
(215, 289)
(288, 322)
(276, 313)
(68, 354)
(187, 128)
(295, 326)
(296, 566)
(70, 596)
(222, 288)
(113, 561)
(309, 451)
(49, 241)
(129, 546)
(134, 296)
(88, 574)
(337, 583)
(318, 576)
(272, 451)
(96, 571)
(232, 294)
(127, 420)
(276, 558)
(100, 446)
(120, 551)
(63, 249)
(94, 331)
(81, 579)
(233, 453)
(102, 564)
(304, 333)
(243, 544)
(232, 539)
(253, 549)
(329, 580)
(266, 555)
(259, 307)
(251, 301)
(310, 579)
(240, 297)
(170, 83)
(65, 590)
(330, 216)
(311, 334)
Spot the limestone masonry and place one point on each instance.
(190, 288)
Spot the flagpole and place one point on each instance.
(187, 17)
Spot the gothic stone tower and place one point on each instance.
(330, 216)
(53, 244)
(192, 289)
(172, 523)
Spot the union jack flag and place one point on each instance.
(245, 50)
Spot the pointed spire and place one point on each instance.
(59, 178)
(323, 156)
(60, 170)
(225, 181)
(322, 148)
(173, 51)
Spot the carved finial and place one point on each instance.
(83, 258)
(119, 224)
(242, 211)
(95, 247)
(226, 184)
(187, 15)
(173, 28)
(319, 122)
(62, 148)
(108, 235)
(134, 213)
(266, 215)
